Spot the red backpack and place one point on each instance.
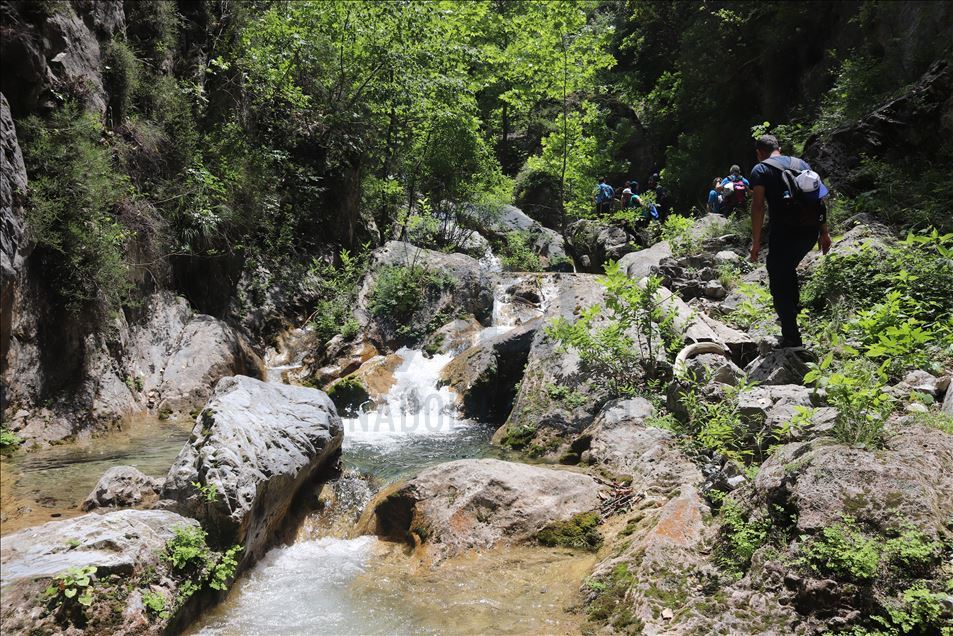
(739, 192)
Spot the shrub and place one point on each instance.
(741, 537)
(620, 342)
(844, 551)
(677, 231)
(74, 194)
(155, 604)
(857, 390)
(918, 610)
(517, 255)
(755, 308)
(400, 291)
(120, 79)
(338, 285)
(717, 425)
(187, 548)
(8, 439)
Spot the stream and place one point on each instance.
(328, 581)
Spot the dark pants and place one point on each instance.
(786, 248)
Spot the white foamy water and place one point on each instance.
(304, 589)
(414, 406)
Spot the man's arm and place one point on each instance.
(757, 220)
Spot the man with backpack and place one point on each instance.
(661, 197)
(795, 198)
(604, 195)
(734, 191)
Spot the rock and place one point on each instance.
(772, 402)
(727, 257)
(781, 366)
(620, 441)
(181, 354)
(820, 481)
(923, 382)
(715, 368)
(376, 376)
(469, 290)
(947, 407)
(548, 244)
(485, 376)
(345, 357)
(912, 120)
(123, 487)
(666, 558)
(598, 243)
(714, 290)
(123, 545)
(455, 336)
(478, 503)
(542, 414)
(865, 232)
(640, 264)
(258, 444)
(13, 244)
(708, 225)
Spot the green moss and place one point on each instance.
(608, 604)
(578, 532)
(348, 394)
(518, 437)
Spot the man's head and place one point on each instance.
(765, 146)
(602, 179)
(735, 170)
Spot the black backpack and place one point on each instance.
(800, 208)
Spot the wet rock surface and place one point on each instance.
(257, 445)
(123, 487)
(471, 504)
(123, 546)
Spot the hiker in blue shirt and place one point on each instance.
(734, 191)
(604, 195)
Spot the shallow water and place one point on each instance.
(325, 584)
(51, 483)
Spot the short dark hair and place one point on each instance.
(768, 143)
(602, 179)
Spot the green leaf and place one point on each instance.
(69, 592)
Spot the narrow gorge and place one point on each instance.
(314, 321)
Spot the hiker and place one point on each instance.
(734, 191)
(604, 196)
(714, 196)
(626, 195)
(795, 198)
(661, 197)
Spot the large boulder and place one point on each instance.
(125, 547)
(176, 356)
(780, 366)
(484, 377)
(546, 243)
(642, 263)
(557, 396)
(123, 487)
(621, 441)
(461, 286)
(908, 482)
(254, 446)
(478, 503)
(592, 244)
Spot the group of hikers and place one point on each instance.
(792, 192)
(729, 193)
(630, 198)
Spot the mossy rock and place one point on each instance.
(348, 394)
(577, 532)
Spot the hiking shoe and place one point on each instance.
(786, 343)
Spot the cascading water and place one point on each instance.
(310, 587)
